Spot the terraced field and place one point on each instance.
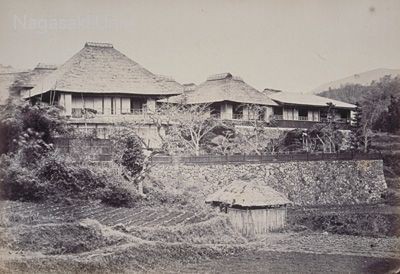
(32, 214)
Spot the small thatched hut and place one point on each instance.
(252, 208)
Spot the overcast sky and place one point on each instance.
(292, 45)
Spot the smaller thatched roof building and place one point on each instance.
(248, 194)
(222, 87)
(251, 207)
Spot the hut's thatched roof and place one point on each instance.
(100, 68)
(223, 87)
(248, 193)
(292, 98)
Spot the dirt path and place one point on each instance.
(289, 262)
(321, 243)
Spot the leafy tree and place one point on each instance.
(29, 129)
(393, 115)
(356, 137)
(127, 151)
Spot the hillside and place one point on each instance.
(363, 79)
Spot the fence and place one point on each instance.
(100, 150)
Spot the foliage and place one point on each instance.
(374, 100)
(127, 150)
(393, 115)
(186, 126)
(360, 138)
(22, 122)
(57, 179)
(321, 137)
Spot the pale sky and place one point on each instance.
(292, 45)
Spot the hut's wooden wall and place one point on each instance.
(257, 221)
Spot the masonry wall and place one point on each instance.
(304, 183)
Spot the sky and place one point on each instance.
(293, 45)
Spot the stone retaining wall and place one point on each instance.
(304, 183)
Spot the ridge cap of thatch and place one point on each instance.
(99, 45)
(45, 66)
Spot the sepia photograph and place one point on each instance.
(199, 136)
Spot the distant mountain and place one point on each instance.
(364, 79)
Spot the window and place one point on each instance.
(278, 113)
(215, 110)
(303, 114)
(138, 105)
(237, 111)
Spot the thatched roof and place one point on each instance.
(6, 81)
(223, 87)
(248, 193)
(100, 68)
(14, 80)
(30, 79)
(292, 98)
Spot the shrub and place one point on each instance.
(54, 178)
(119, 197)
(127, 151)
(23, 120)
(19, 183)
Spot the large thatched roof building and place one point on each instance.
(101, 69)
(101, 79)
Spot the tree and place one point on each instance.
(393, 115)
(29, 129)
(325, 137)
(127, 151)
(356, 136)
(256, 137)
(181, 128)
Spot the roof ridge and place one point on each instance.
(99, 45)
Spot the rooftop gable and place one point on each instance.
(100, 68)
(223, 87)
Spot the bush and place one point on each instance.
(119, 197)
(19, 183)
(21, 121)
(54, 178)
(127, 151)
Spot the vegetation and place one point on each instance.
(32, 170)
(379, 103)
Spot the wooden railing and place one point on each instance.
(101, 149)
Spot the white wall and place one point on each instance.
(66, 102)
(226, 111)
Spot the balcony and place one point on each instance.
(86, 115)
(277, 117)
(237, 116)
(303, 118)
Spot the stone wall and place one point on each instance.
(304, 183)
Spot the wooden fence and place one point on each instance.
(100, 150)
